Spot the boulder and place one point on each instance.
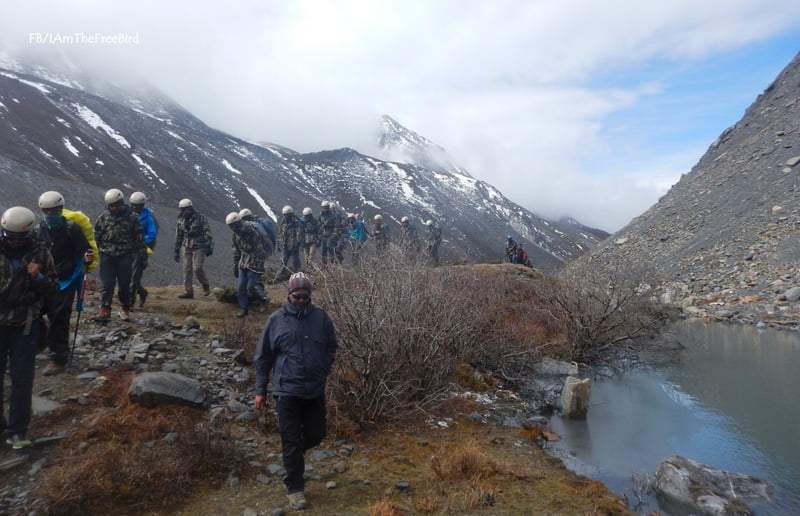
(575, 398)
(793, 294)
(162, 388)
(684, 486)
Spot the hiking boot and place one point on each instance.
(297, 501)
(103, 315)
(18, 442)
(124, 313)
(186, 295)
(206, 290)
(142, 297)
(241, 313)
(53, 369)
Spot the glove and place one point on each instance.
(209, 251)
(177, 256)
(235, 271)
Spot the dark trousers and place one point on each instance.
(289, 254)
(249, 282)
(115, 271)
(139, 265)
(302, 426)
(58, 308)
(329, 250)
(18, 352)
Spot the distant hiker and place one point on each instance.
(71, 253)
(27, 276)
(328, 233)
(291, 235)
(523, 256)
(299, 341)
(342, 238)
(265, 226)
(357, 235)
(248, 261)
(120, 237)
(150, 233)
(380, 232)
(432, 241)
(193, 236)
(409, 239)
(311, 239)
(512, 250)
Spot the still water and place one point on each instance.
(732, 401)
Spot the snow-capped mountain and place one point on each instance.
(55, 133)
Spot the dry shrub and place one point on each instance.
(130, 458)
(241, 334)
(385, 507)
(467, 462)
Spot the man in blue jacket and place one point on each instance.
(140, 260)
(299, 341)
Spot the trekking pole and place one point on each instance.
(79, 309)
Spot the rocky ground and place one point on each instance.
(347, 474)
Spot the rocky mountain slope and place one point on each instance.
(56, 133)
(725, 238)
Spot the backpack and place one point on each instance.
(266, 231)
(83, 221)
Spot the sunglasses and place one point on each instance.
(11, 235)
(51, 211)
(300, 297)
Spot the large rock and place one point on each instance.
(162, 388)
(684, 486)
(575, 398)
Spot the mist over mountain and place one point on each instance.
(61, 131)
(726, 238)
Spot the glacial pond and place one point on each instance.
(731, 401)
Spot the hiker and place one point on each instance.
(150, 233)
(409, 239)
(512, 250)
(328, 233)
(311, 226)
(299, 341)
(357, 235)
(380, 232)
(432, 241)
(248, 261)
(193, 236)
(27, 276)
(120, 237)
(291, 237)
(71, 253)
(342, 236)
(524, 259)
(265, 226)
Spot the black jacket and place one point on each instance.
(67, 244)
(301, 346)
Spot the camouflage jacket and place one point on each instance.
(434, 235)
(291, 232)
(193, 233)
(118, 235)
(380, 232)
(328, 224)
(20, 294)
(248, 249)
(311, 228)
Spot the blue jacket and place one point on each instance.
(149, 225)
(301, 346)
(357, 231)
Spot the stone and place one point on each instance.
(793, 294)
(575, 398)
(161, 388)
(684, 486)
(793, 161)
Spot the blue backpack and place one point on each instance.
(267, 229)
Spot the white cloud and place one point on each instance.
(529, 96)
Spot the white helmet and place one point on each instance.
(114, 195)
(232, 217)
(325, 204)
(352, 216)
(429, 222)
(51, 199)
(138, 198)
(404, 219)
(18, 220)
(287, 209)
(307, 211)
(378, 217)
(245, 212)
(185, 203)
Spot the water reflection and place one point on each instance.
(731, 402)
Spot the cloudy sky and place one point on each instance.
(587, 108)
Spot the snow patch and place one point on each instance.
(70, 147)
(147, 169)
(39, 86)
(260, 200)
(94, 120)
(227, 165)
